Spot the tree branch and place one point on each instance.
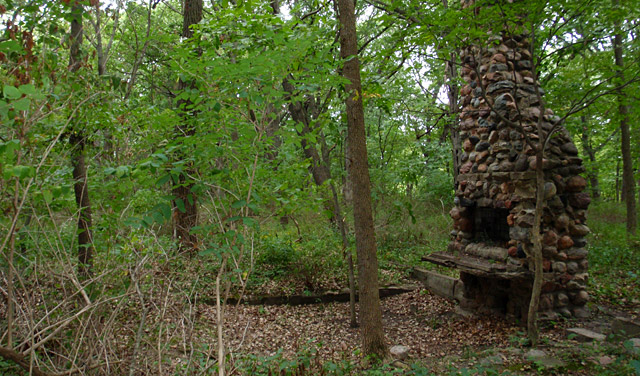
(21, 360)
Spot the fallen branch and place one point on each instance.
(21, 360)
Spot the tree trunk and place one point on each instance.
(78, 143)
(535, 252)
(185, 203)
(321, 173)
(618, 180)
(81, 190)
(452, 93)
(319, 170)
(347, 186)
(628, 182)
(192, 15)
(587, 148)
(373, 342)
(353, 321)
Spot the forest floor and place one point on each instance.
(438, 337)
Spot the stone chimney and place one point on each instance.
(495, 190)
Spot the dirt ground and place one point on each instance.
(427, 324)
(436, 334)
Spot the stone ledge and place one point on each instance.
(585, 335)
(477, 266)
(441, 285)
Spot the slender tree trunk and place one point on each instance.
(12, 248)
(81, 190)
(587, 148)
(353, 321)
(321, 173)
(78, 143)
(618, 180)
(140, 54)
(536, 248)
(347, 186)
(452, 94)
(319, 169)
(185, 202)
(373, 341)
(628, 182)
(102, 58)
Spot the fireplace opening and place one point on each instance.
(490, 225)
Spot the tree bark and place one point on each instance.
(78, 143)
(185, 215)
(299, 113)
(353, 321)
(81, 190)
(618, 189)
(192, 15)
(373, 342)
(319, 168)
(535, 252)
(587, 148)
(628, 182)
(451, 74)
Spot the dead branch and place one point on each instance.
(21, 360)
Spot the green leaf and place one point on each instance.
(11, 92)
(166, 210)
(122, 171)
(9, 148)
(28, 89)
(249, 222)
(160, 156)
(22, 104)
(238, 204)
(22, 171)
(158, 217)
(162, 180)
(4, 109)
(10, 46)
(132, 222)
(180, 205)
(636, 366)
(253, 207)
(48, 196)
(209, 251)
(147, 221)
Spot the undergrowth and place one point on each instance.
(613, 256)
(303, 255)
